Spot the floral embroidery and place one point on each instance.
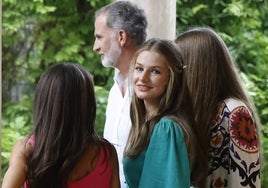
(234, 148)
(243, 131)
(217, 140)
(218, 183)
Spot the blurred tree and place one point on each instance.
(39, 33)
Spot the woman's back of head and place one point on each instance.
(210, 68)
(64, 116)
(211, 76)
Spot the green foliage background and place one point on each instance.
(39, 33)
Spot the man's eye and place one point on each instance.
(98, 37)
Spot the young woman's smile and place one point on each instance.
(150, 76)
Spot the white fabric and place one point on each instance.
(234, 147)
(118, 123)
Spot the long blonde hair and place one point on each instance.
(175, 102)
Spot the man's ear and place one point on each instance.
(122, 37)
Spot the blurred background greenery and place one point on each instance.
(39, 33)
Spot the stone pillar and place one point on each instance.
(161, 15)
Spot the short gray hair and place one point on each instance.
(127, 16)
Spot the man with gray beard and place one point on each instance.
(120, 29)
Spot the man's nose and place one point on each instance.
(96, 46)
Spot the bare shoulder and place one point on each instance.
(112, 151)
(21, 149)
(16, 173)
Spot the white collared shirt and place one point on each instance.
(118, 123)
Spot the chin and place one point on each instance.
(142, 97)
(106, 63)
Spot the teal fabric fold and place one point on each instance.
(165, 161)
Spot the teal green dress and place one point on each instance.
(164, 163)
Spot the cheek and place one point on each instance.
(105, 44)
(162, 81)
(164, 84)
(135, 77)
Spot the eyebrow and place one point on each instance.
(97, 35)
(137, 63)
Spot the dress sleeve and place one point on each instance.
(244, 149)
(166, 161)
